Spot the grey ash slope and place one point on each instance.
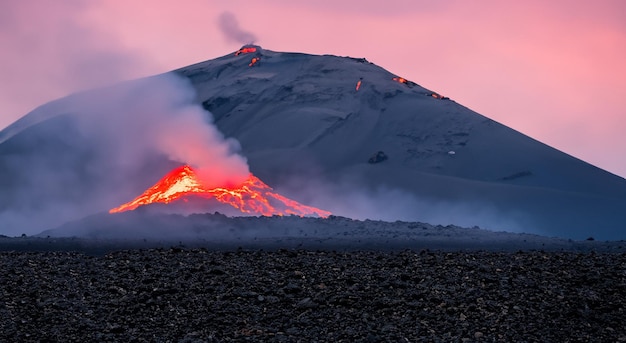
(307, 132)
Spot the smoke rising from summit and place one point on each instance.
(229, 26)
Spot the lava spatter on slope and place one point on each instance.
(253, 196)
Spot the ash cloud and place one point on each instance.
(229, 26)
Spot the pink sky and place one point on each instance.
(554, 70)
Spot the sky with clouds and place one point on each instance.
(553, 70)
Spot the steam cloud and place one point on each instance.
(229, 26)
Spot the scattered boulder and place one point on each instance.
(378, 157)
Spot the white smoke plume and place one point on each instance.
(159, 114)
(104, 147)
(229, 26)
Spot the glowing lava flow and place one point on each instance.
(253, 196)
(245, 50)
(254, 61)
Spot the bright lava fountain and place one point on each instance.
(253, 196)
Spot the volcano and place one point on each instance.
(390, 149)
(252, 197)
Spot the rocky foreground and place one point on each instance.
(197, 295)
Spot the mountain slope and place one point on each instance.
(310, 134)
(297, 114)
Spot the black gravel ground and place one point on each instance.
(197, 295)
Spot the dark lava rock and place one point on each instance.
(378, 157)
(198, 295)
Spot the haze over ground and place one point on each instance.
(553, 71)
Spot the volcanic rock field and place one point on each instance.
(212, 278)
(198, 295)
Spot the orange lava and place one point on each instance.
(253, 196)
(400, 79)
(245, 50)
(254, 61)
(358, 85)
